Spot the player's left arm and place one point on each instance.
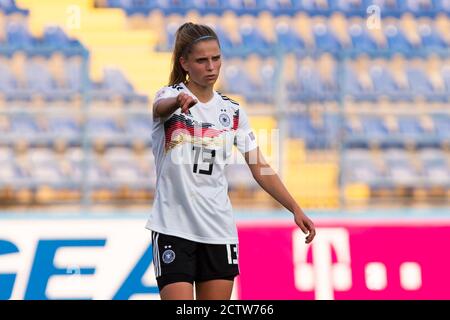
(269, 180)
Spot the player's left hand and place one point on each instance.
(306, 225)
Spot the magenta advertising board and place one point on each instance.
(111, 258)
(349, 259)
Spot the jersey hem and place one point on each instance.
(192, 237)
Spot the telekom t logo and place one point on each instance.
(322, 274)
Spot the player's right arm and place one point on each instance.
(166, 106)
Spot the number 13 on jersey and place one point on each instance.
(207, 157)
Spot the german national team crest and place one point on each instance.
(224, 119)
(168, 256)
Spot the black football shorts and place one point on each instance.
(180, 260)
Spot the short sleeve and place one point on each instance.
(165, 92)
(245, 139)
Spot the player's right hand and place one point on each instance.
(185, 101)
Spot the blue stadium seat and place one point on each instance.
(280, 7)
(374, 128)
(103, 127)
(119, 154)
(325, 39)
(239, 176)
(418, 82)
(205, 7)
(226, 44)
(140, 127)
(39, 156)
(7, 81)
(18, 37)
(235, 79)
(74, 155)
(47, 173)
(24, 126)
(242, 7)
(6, 154)
(9, 173)
(56, 39)
(393, 8)
(434, 166)
(399, 168)
(65, 127)
(125, 173)
(309, 85)
(383, 81)
(442, 6)
(39, 79)
(115, 84)
(352, 86)
(354, 134)
(10, 7)
(419, 6)
(396, 39)
(254, 41)
(350, 7)
(332, 123)
(115, 81)
(288, 39)
(359, 166)
(170, 29)
(410, 127)
(442, 126)
(430, 37)
(139, 6)
(98, 174)
(315, 136)
(74, 74)
(305, 86)
(446, 77)
(361, 40)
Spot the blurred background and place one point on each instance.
(349, 100)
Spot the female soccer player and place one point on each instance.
(194, 235)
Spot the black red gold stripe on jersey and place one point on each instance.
(180, 129)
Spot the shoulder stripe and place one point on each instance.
(224, 97)
(176, 86)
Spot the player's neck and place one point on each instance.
(203, 94)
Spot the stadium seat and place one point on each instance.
(18, 36)
(435, 168)
(399, 168)
(288, 39)
(359, 167)
(140, 127)
(24, 126)
(55, 38)
(64, 127)
(360, 38)
(9, 174)
(418, 82)
(103, 128)
(441, 123)
(324, 38)
(9, 7)
(430, 37)
(396, 39)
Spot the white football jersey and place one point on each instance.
(191, 152)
